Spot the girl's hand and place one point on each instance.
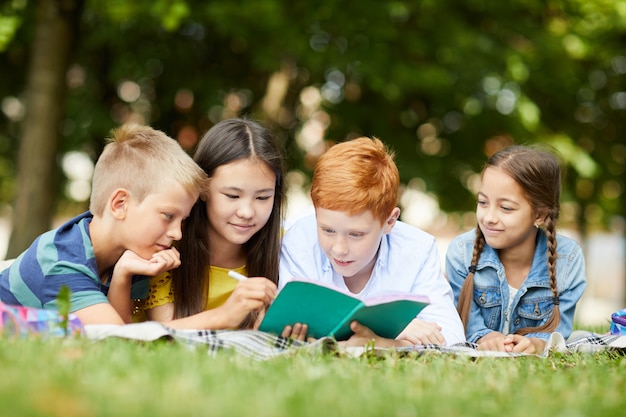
(494, 341)
(523, 344)
(252, 294)
(259, 318)
(420, 332)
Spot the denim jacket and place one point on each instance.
(533, 303)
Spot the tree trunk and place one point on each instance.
(54, 39)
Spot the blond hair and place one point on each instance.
(142, 160)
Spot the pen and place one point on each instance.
(237, 275)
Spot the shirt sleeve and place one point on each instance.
(297, 256)
(47, 281)
(441, 310)
(84, 292)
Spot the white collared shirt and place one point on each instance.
(408, 261)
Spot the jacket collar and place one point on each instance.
(538, 275)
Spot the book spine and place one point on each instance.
(345, 320)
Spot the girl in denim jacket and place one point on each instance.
(514, 279)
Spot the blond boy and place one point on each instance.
(144, 185)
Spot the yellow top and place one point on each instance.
(221, 286)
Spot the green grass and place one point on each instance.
(77, 377)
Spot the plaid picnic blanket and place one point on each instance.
(579, 341)
(16, 321)
(261, 345)
(251, 343)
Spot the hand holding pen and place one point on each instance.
(237, 275)
(251, 295)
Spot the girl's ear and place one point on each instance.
(392, 219)
(118, 203)
(540, 218)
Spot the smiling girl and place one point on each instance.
(235, 226)
(515, 280)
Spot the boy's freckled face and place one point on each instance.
(155, 223)
(350, 242)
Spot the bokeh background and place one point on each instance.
(444, 83)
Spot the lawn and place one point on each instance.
(113, 377)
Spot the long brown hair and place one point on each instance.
(229, 140)
(538, 172)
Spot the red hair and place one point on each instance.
(356, 176)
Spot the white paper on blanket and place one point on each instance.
(250, 343)
(146, 331)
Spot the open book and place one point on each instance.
(329, 311)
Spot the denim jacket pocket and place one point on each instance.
(489, 299)
(533, 312)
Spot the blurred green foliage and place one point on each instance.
(445, 83)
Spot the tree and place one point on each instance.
(56, 25)
(444, 83)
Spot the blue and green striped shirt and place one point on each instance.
(63, 256)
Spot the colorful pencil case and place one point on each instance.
(618, 322)
(22, 321)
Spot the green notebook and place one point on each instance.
(329, 312)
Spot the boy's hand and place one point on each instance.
(363, 335)
(131, 264)
(298, 331)
(420, 332)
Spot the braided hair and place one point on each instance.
(538, 172)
